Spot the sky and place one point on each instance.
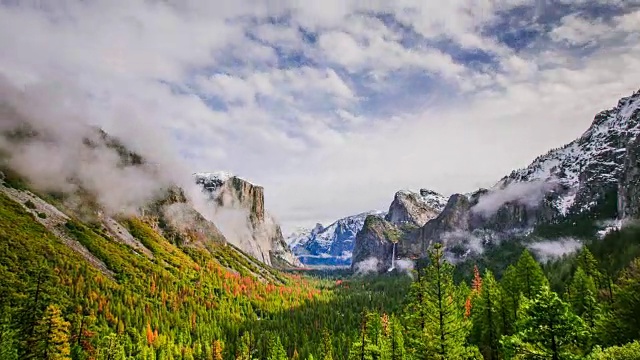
(331, 105)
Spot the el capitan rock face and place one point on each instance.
(243, 219)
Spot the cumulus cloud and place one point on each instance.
(552, 249)
(529, 194)
(313, 98)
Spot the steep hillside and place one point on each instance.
(240, 206)
(331, 245)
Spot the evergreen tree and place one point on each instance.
(247, 347)
(623, 324)
(111, 348)
(53, 334)
(530, 275)
(366, 347)
(547, 329)
(327, 347)
(445, 329)
(216, 350)
(8, 342)
(415, 317)
(509, 300)
(487, 318)
(589, 265)
(276, 350)
(33, 308)
(582, 297)
(393, 343)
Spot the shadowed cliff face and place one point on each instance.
(629, 186)
(238, 207)
(375, 240)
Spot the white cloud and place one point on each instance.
(331, 127)
(529, 194)
(553, 249)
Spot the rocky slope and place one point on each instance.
(407, 213)
(595, 177)
(331, 245)
(239, 205)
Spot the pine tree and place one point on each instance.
(476, 283)
(53, 334)
(546, 329)
(366, 347)
(393, 342)
(276, 350)
(247, 347)
(415, 317)
(582, 297)
(623, 324)
(216, 350)
(530, 275)
(8, 342)
(487, 318)
(38, 296)
(509, 300)
(111, 348)
(446, 329)
(327, 346)
(589, 265)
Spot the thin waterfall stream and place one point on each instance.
(393, 258)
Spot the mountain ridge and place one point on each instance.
(580, 182)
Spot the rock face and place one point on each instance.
(331, 245)
(629, 185)
(240, 213)
(407, 213)
(375, 241)
(415, 209)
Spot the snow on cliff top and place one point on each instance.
(428, 197)
(217, 175)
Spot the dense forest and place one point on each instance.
(188, 303)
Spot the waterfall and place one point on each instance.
(393, 258)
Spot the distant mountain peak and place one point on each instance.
(331, 245)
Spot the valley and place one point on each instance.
(79, 281)
(319, 180)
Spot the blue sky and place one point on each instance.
(333, 105)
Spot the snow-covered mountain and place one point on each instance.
(589, 165)
(331, 245)
(592, 179)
